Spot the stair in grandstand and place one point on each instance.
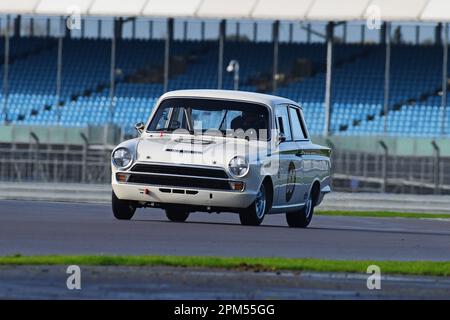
(155, 73)
(24, 49)
(146, 74)
(301, 69)
(413, 84)
(29, 52)
(62, 102)
(396, 107)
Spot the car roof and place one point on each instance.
(266, 99)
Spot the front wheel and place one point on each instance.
(254, 214)
(176, 215)
(122, 209)
(301, 218)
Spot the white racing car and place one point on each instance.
(222, 151)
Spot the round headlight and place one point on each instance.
(121, 157)
(238, 166)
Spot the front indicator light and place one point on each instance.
(122, 177)
(237, 185)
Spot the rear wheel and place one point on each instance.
(254, 214)
(301, 218)
(176, 215)
(122, 209)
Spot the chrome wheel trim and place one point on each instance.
(260, 202)
(308, 207)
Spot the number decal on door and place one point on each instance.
(291, 180)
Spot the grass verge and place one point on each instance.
(384, 214)
(257, 264)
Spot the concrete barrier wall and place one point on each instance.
(399, 146)
(109, 135)
(335, 201)
(60, 192)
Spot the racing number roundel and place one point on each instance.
(291, 179)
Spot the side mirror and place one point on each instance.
(281, 137)
(139, 127)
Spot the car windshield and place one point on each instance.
(211, 117)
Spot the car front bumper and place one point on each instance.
(183, 196)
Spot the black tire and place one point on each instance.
(254, 214)
(301, 218)
(176, 215)
(122, 209)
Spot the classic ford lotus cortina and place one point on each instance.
(222, 151)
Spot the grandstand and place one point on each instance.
(91, 93)
(389, 82)
(357, 92)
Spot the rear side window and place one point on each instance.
(282, 117)
(298, 131)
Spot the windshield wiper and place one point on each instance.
(187, 114)
(223, 119)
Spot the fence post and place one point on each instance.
(437, 165)
(384, 167)
(36, 153)
(107, 173)
(333, 150)
(85, 151)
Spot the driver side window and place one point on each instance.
(172, 119)
(162, 123)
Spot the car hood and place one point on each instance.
(200, 150)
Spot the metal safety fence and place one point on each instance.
(351, 171)
(371, 172)
(54, 163)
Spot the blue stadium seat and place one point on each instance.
(358, 82)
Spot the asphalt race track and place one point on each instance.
(49, 282)
(38, 228)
